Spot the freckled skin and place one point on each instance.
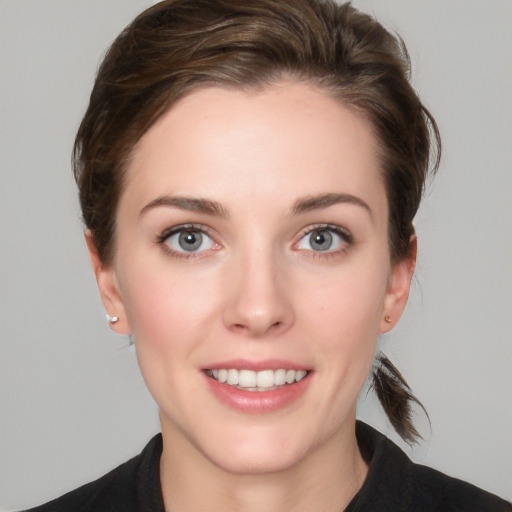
(257, 290)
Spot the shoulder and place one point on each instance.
(395, 483)
(451, 494)
(129, 487)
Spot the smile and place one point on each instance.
(249, 380)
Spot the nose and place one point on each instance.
(259, 300)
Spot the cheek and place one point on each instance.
(342, 315)
(348, 305)
(168, 313)
(163, 305)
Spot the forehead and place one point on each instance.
(285, 141)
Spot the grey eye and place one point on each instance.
(323, 240)
(320, 240)
(189, 240)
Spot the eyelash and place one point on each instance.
(343, 233)
(166, 234)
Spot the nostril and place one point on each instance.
(242, 328)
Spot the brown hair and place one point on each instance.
(178, 46)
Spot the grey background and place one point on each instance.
(72, 402)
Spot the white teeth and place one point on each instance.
(257, 381)
(300, 374)
(265, 379)
(290, 376)
(232, 378)
(247, 379)
(280, 377)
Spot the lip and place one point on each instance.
(258, 402)
(256, 366)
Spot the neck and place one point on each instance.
(325, 480)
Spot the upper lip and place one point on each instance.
(266, 364)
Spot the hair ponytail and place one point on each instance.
(396, 398)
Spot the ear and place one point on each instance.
(398, 288)
(108, 286)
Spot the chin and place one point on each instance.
(250, 463)
(263, 452)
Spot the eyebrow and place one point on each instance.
(191, 204)
(214, 208)
(321, 201)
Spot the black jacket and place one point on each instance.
(393, 484)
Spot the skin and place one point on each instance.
(255, 290)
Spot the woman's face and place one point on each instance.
(252, 237)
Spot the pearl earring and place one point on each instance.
(387, 319)
(112, 319)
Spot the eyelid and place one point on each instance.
(344, 233)
(168, 232)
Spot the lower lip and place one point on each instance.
(254, 402)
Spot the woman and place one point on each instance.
(248, 174)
